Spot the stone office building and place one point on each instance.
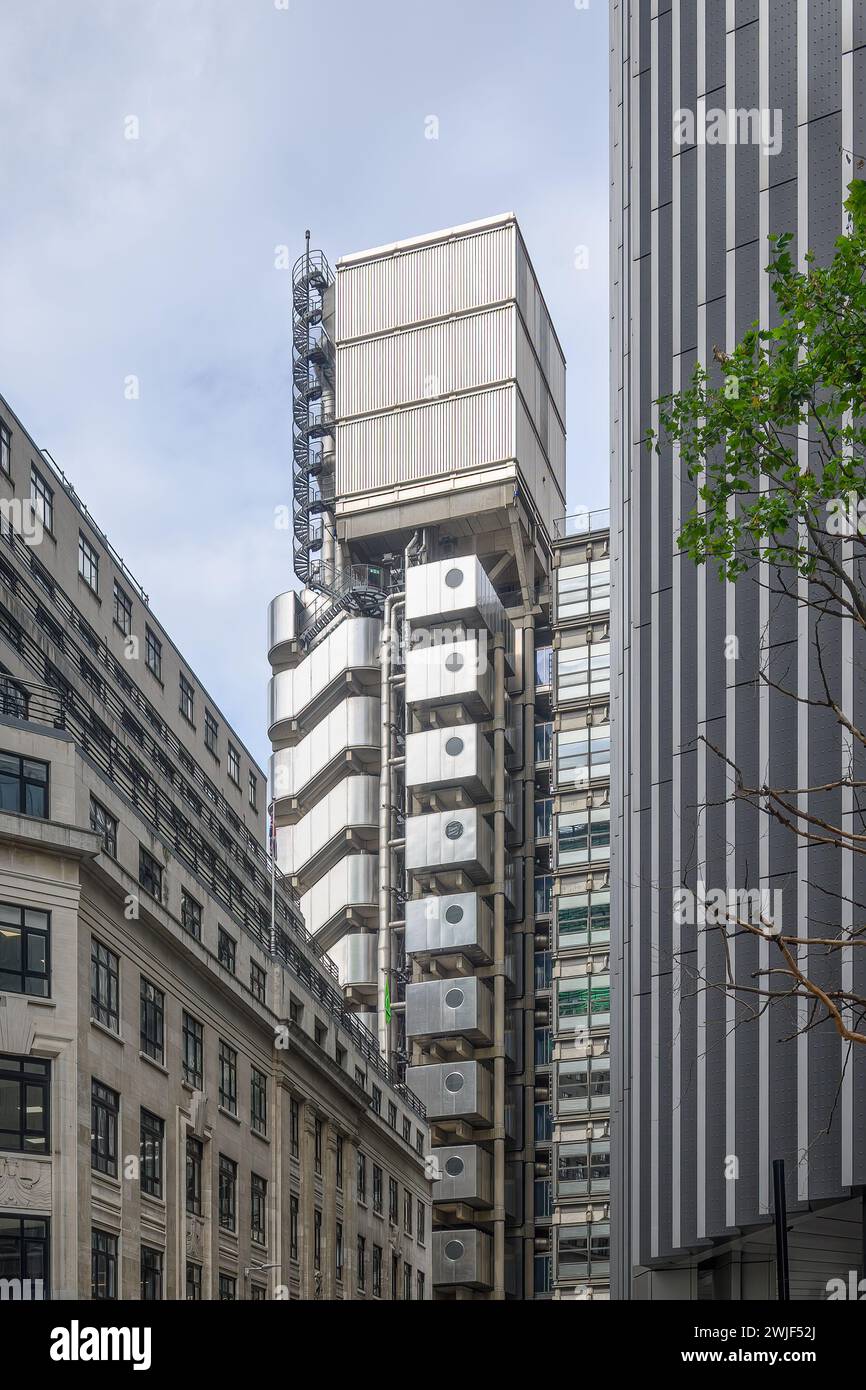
(188, 1110)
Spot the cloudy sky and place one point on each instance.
(155, 256)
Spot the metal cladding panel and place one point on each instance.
(439, 437)
(449, 841)
(450, 1008)
(463, 1258)
(420, 364)
(450, 673)
(283, 618)
(450, 922)
(466, 1175)
(545, 476)
(454, 590)
(353, 724)
(360, 959)
(534, 313)
(353, 883)
(454, 1090)
(354, 645)
(536, 394)
(413, 285)
(352, 804)
(457, 756)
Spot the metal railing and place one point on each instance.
(583, 522)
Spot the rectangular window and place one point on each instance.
(152, 1139)
(152, 1032)
(362, 1178)
(407, 1129)
(88, 563)
(586, 1253)
(583, 589)
(103, 1264)
(317, 1239)
(393, 1201)
(193, 1282)
(151, 1274)
(395, 1277)
(582, 755)
(407, 1282)
(153, 653)
(104, 1125)
(228, 1287)
(193, 1051)
(24, 1104)
(339, 1155)
(583, 1085)
(317, 1141)
(149, 874)
(338, 1252)
(583, 837)
(253, 791)
(295, 1128)
(23, 786)
(377, 1188)
(194, 1162)
(5, 450)
(104, 986)
(584, 1005)
(420, 1285)
(377, 1271)
(187, 700)
(122, 610)
(234, 761)
(25, 1245)
(293, 1228)
(211, 732)
(258, 981)
(583, 919)
(25, 955)
(422, 1223)
(259, 1102)
(320, 1033)
(226, 950)
(408, 1206)
(228, 1190)
(419, 1140)
(228, 1078)
(583, 1168)
(42, 497)
(190, 914)
(258, 1209)
(258, 1293)
(376, 1102)
(583, 672)
(105, 824)
(392, 1114)
(362, 1264)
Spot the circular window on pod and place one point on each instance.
(454, 746)
(454, 578)
(454, 914)
(454, 1250)
(454, 998)
(454, 1082)
(453, 830)
(454, 662)
(454, 1166)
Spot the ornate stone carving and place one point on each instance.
(25, 1183)
(194, 1237)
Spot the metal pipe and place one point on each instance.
(383, 989)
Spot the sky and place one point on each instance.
(158, 155)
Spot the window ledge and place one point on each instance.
(151, 1061)
(109, 1032)
(257, 1134)
(229, 1114)
(38, 999)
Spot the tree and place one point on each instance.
(774, 440)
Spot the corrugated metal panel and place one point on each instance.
(540, 330)
(426, 441)
(421, 364)
(542, 476)
(431, 282)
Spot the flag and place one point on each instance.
(387, 1000)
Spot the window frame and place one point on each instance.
(26, 782)
(88, 563)
(151, 1129)
(151, 1032)
(104, 1128)
(27, 930)
(111, 969)
(192, 1037)
(227, 1089)
(227, 1193)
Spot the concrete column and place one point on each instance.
(308, 1201)
(350, 1228)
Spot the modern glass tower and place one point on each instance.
(703, 1102)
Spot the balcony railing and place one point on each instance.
(583, 522)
